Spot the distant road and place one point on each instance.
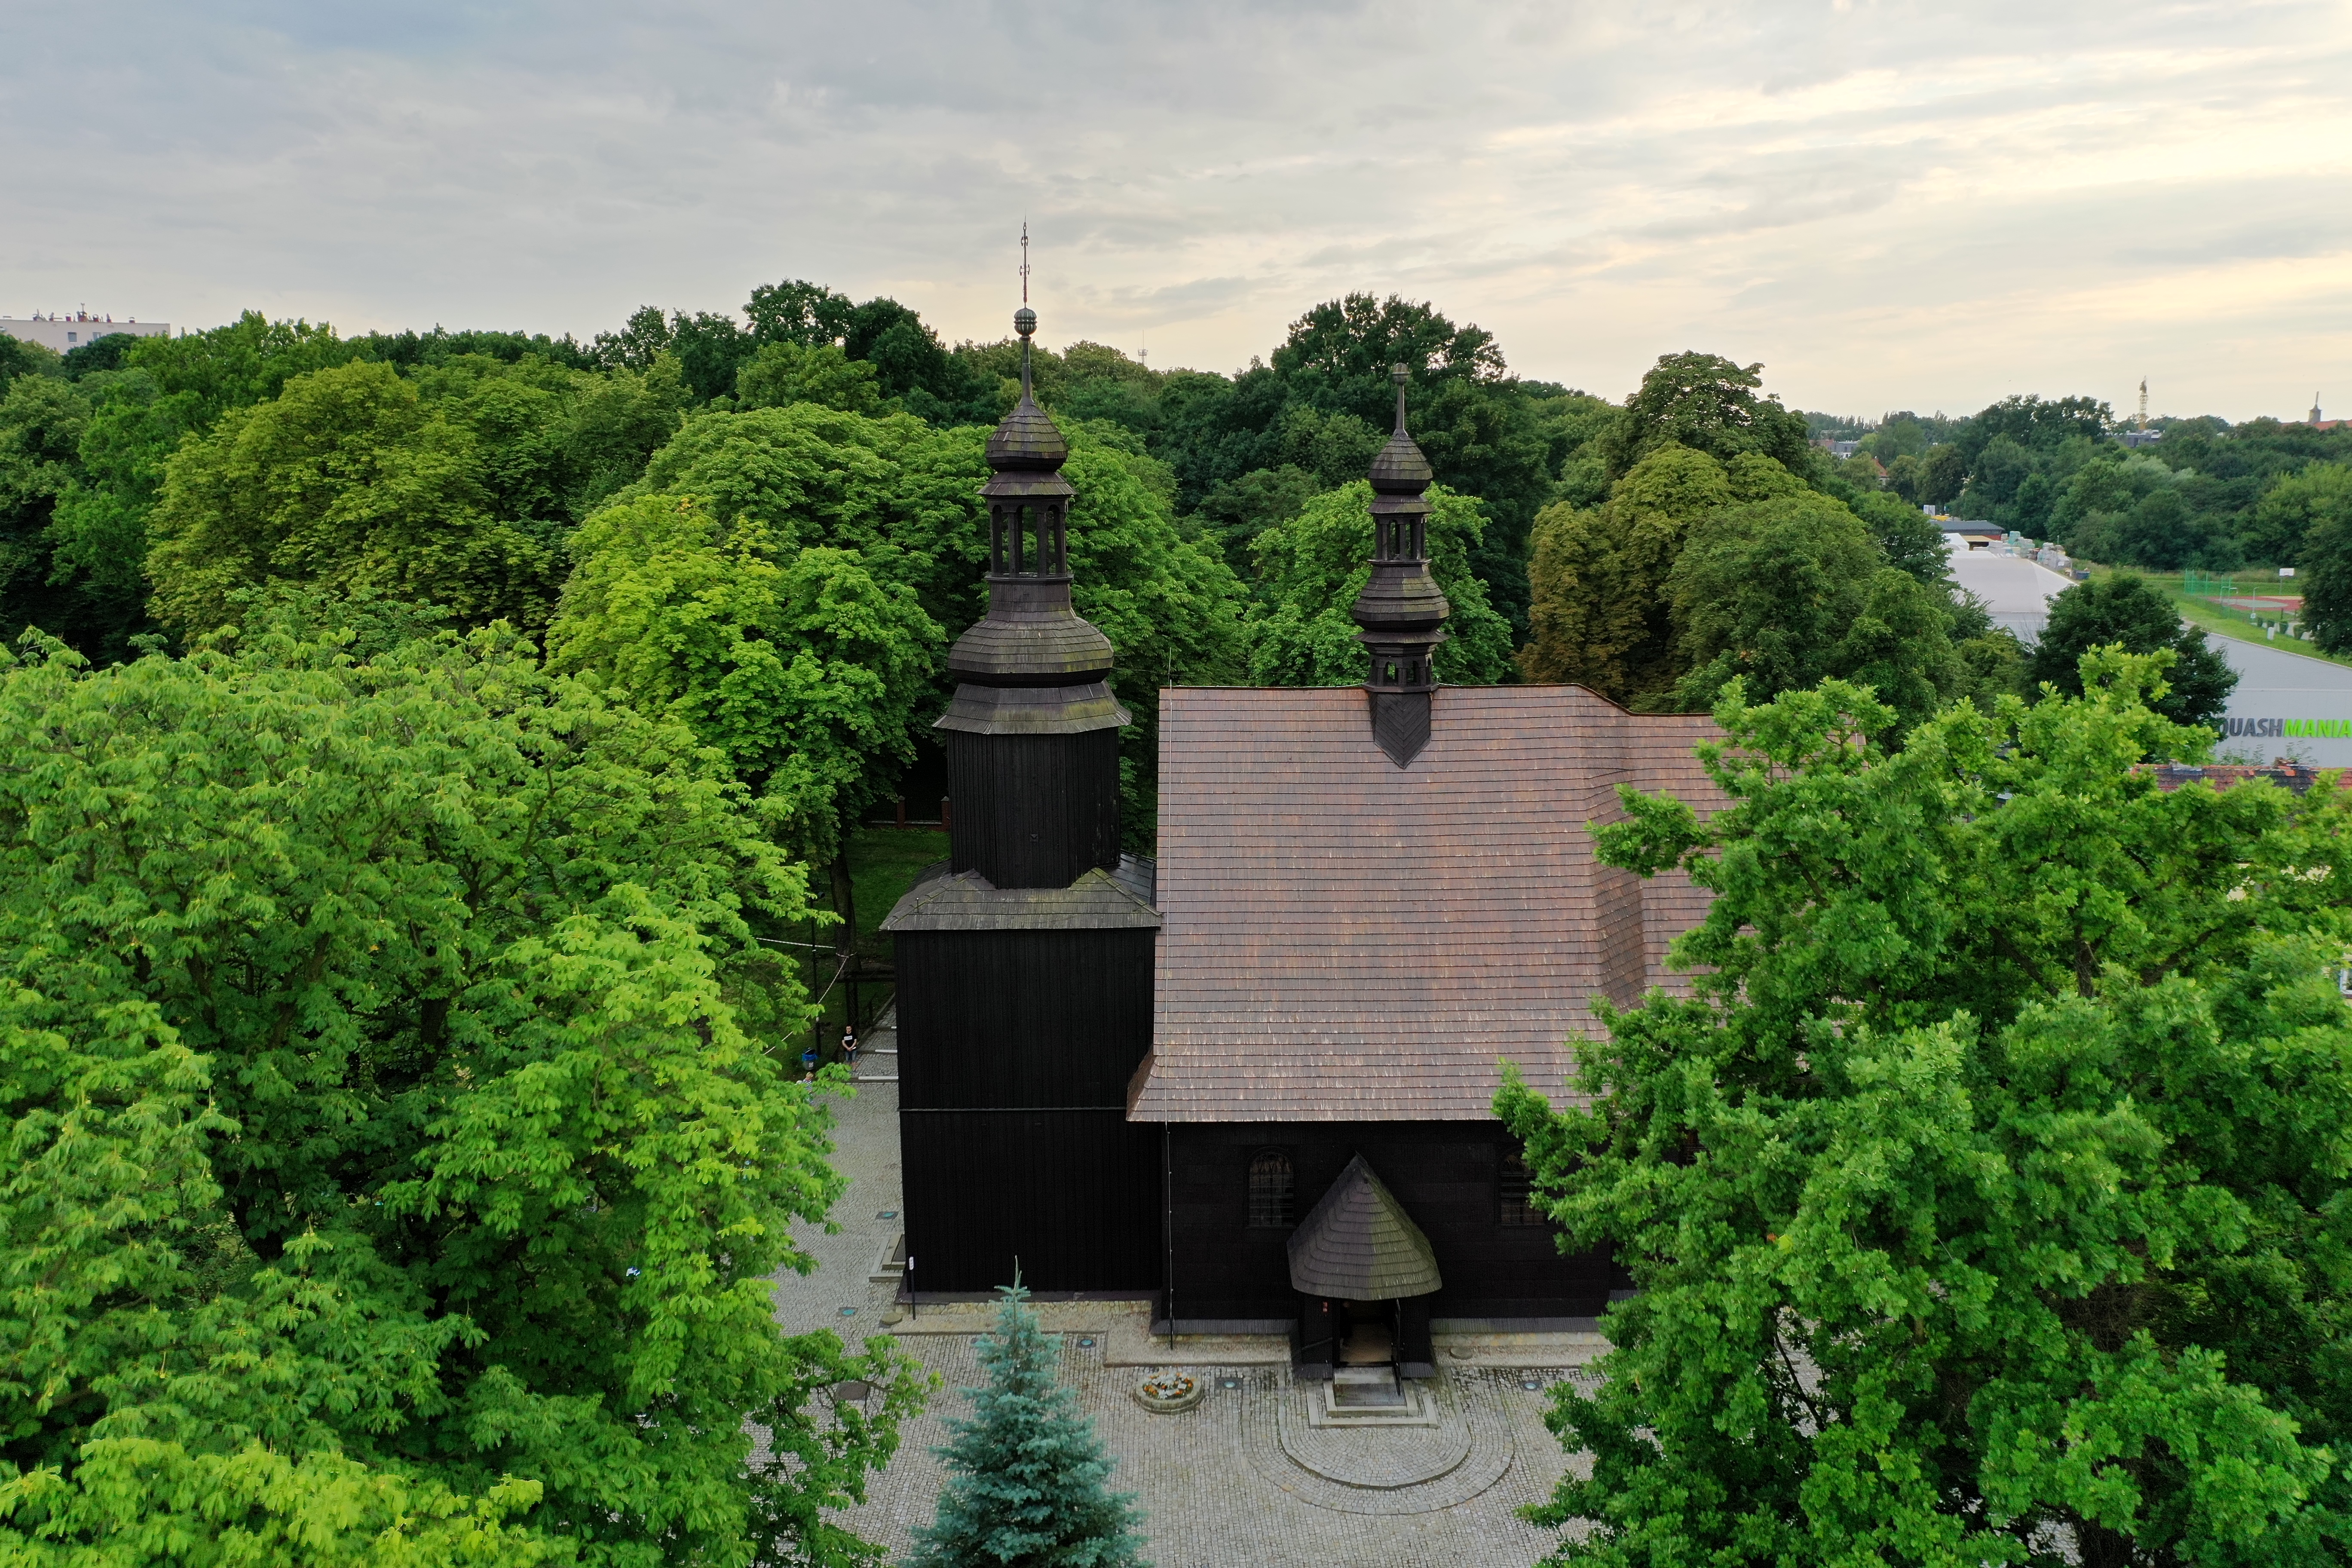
(2285, 702)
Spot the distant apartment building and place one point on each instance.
(68, 331)
(1837, 448)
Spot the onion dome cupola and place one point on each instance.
(1033, 733)
(1401, 611)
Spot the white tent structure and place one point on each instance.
(2016, 589)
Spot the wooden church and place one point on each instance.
(1253, 1080)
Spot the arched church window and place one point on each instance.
(1272, 1205)
(1514, 1194)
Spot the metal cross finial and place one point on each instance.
(1025, 320)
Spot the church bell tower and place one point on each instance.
(1033, 733)
(1024, 961)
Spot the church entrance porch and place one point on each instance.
(1364, 1273)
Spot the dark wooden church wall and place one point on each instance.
(1444, 1173)
(1015, 1052)
(1017, 1018)
(1073, 1195)
(1034, 811)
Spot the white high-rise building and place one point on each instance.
(64, 332)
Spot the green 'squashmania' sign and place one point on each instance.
(2291, 728)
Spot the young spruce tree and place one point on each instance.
(1027, 1487)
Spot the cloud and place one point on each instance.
(1891, 205)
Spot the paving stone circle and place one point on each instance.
(1401, 1471)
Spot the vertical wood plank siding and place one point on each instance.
(1013, 1018)
(1073, 1195)
(1034, 811)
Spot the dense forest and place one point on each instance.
(2201, 493)
(762, 524)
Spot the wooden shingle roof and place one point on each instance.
(1350, 941)
(966, 900)
(1359, 1244)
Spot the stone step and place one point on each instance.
(1366, 1388)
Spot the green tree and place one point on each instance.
(2292, 508)
(785, 372)
(42, 418)
(1708, 404)
(1600, 614)
(2159, 531)
(2327, 571)
(903, 495)
(1898, 435)
(1942, 473)
(169, 388)
(806, 672)
(399, 1151)
(1985, 1203)
(1104, 385)
(1312, 566)
(2001, 467)
(799, 312)
(2032, 421)
(1239, 511)
(349, 481)
(1904, 475)
(1026, 1475)
(1783, 592)
(912, 366)
(2123, 610)
(18, 357)
(1477, 426)
(411, 351)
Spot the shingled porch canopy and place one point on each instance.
(1359, 1244)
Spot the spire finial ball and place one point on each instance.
(1025, 320)
(1398, 374)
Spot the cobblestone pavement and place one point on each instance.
(1243, 1480)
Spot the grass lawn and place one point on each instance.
(2222, 621)
(883, 864)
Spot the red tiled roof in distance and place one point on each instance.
(1350, 941)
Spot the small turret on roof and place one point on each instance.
(1401, 611)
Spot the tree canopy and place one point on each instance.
(1710, 404)
(350, 480)
(399, 1147)
(1697, 570)
(2128, 612)
(675, 589)
(1311, 567)
(1785, 592)
(1985, 1203)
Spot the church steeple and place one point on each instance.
(1033, 733)
(1401, 610)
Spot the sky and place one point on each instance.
(1891, 206)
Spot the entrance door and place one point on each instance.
(1368, 1334)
